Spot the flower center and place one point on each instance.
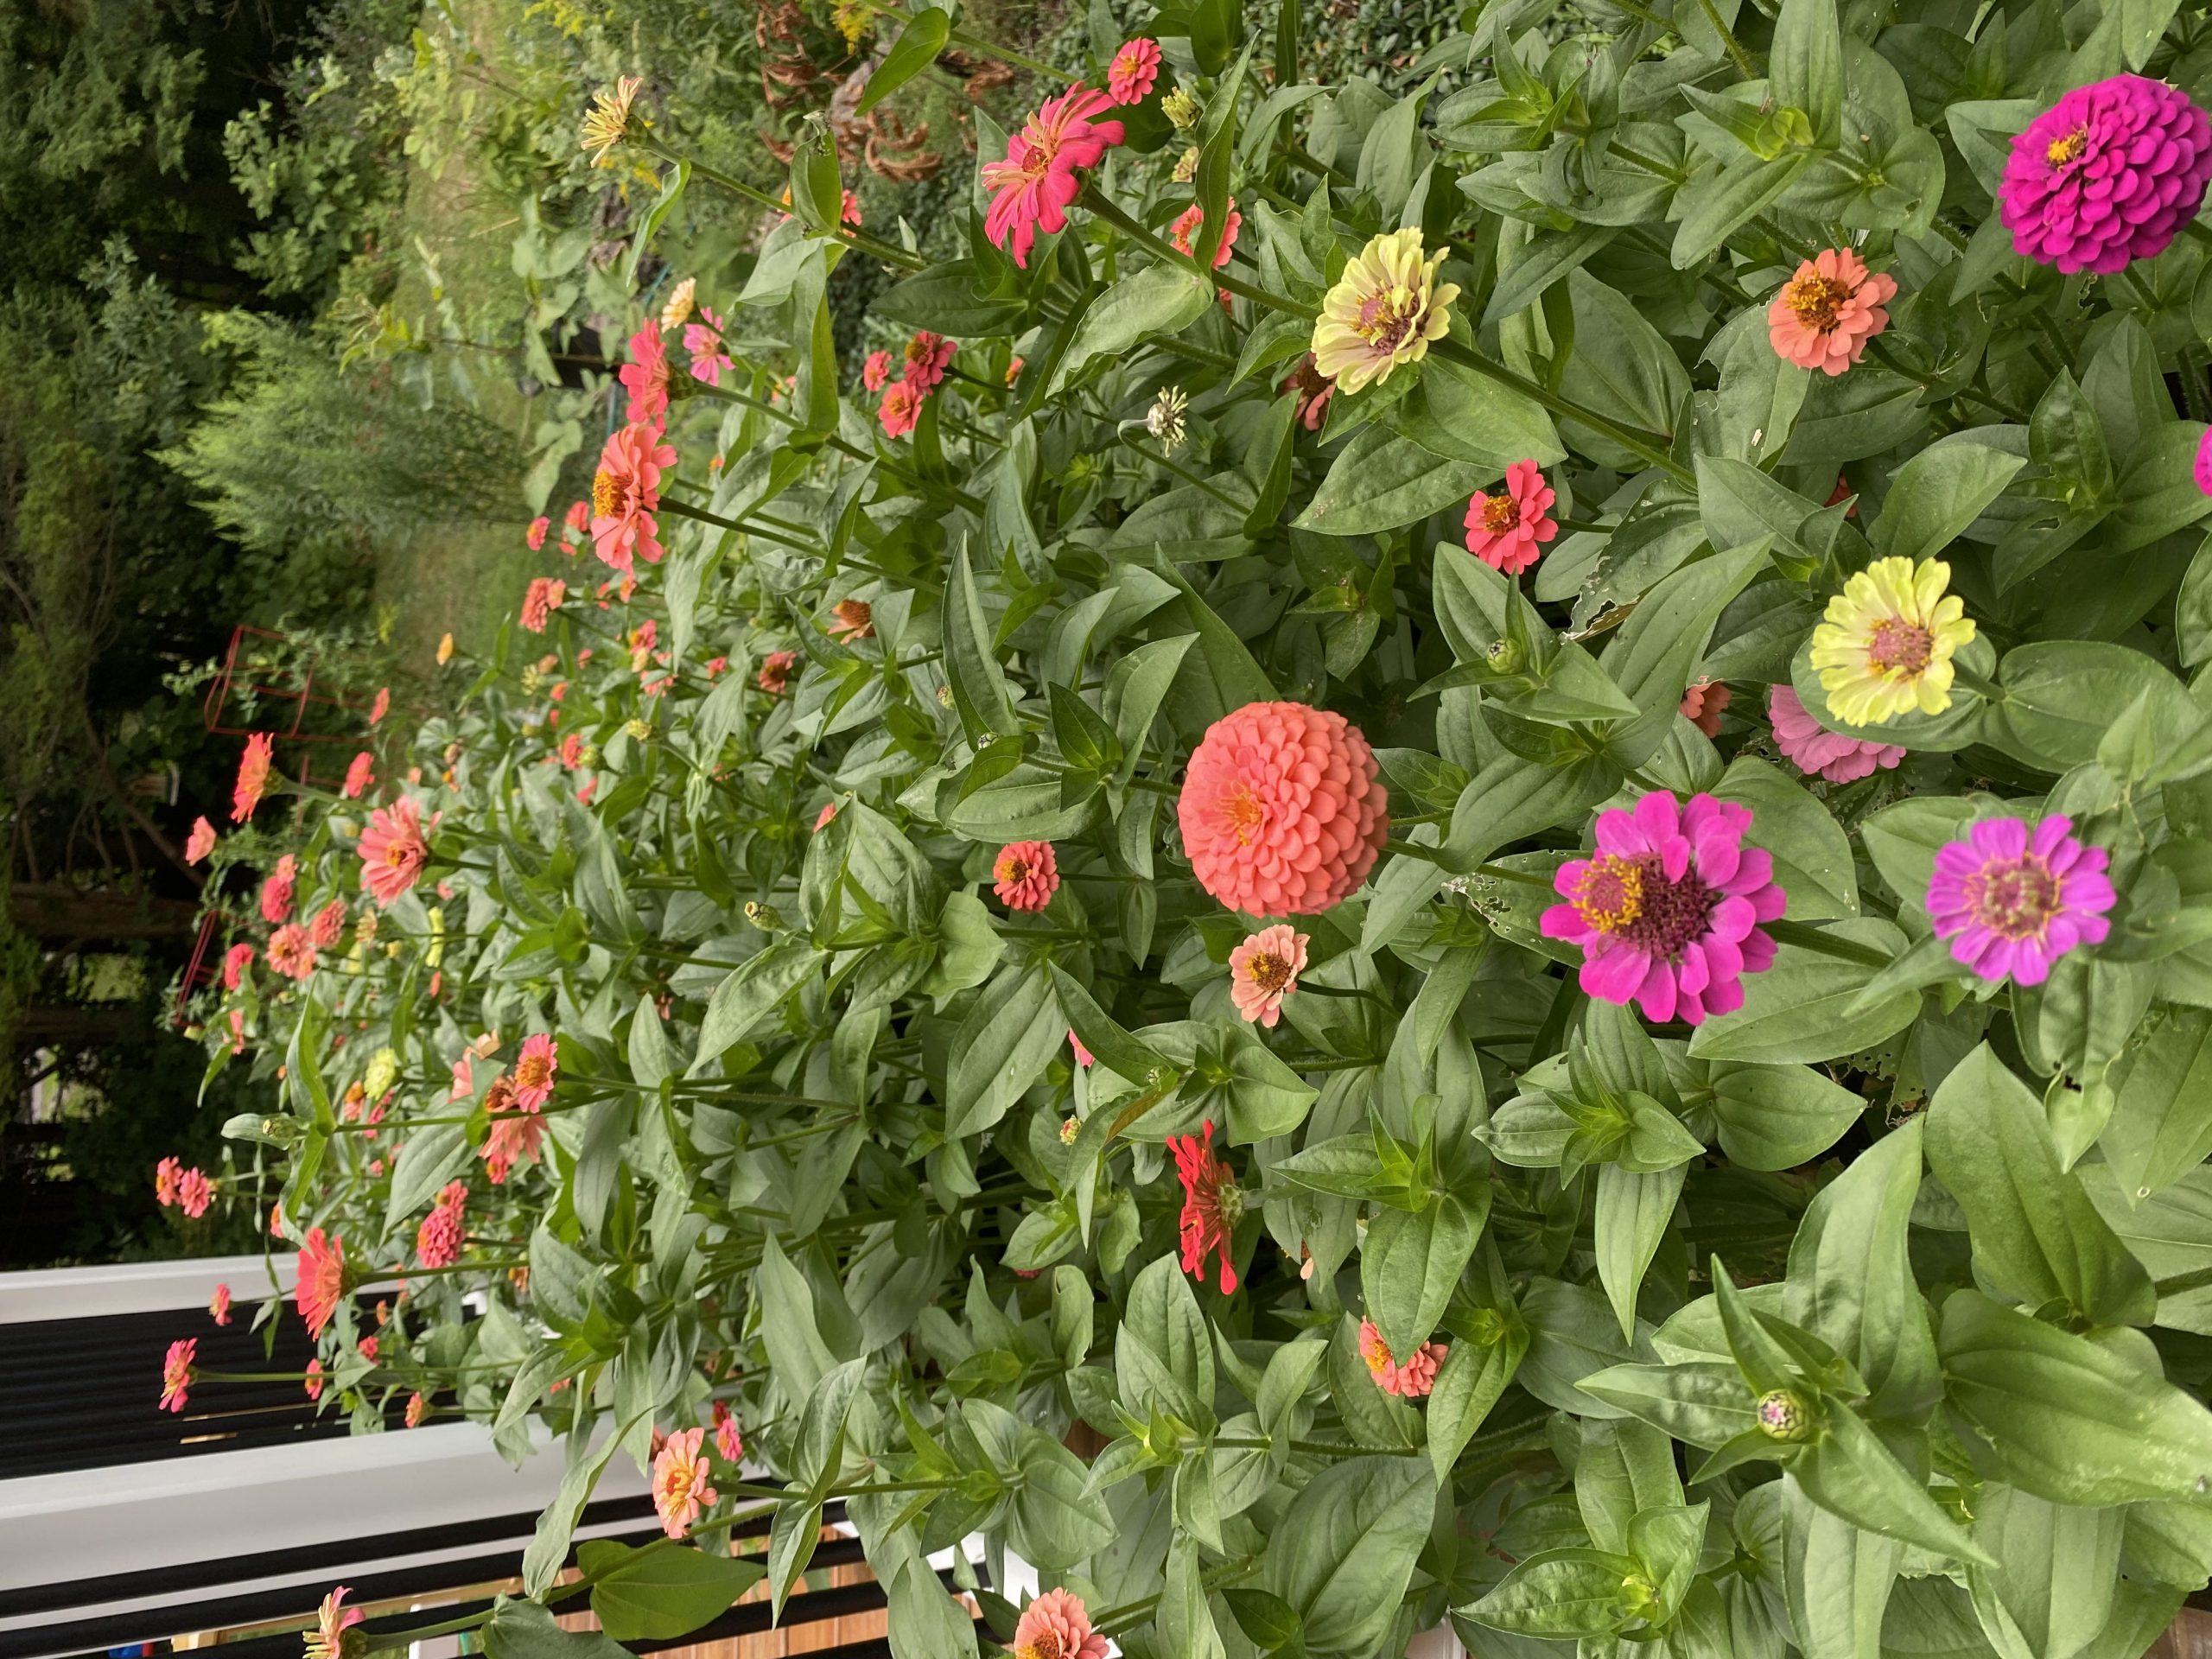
(396, 855)
(1245, 813)
(1632, 897)
(1896, 647)
(1813, 301)
(1013, 870)
(530, 1072)
(1268, 971)
(2068, 149)
(1501, 513)
(2014, 897)
(1046, 1645)
(1610, 895)
(1386, 318)
(606, 493)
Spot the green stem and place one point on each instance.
(1820, 940)
(888, 252)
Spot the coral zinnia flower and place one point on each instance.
(1409, 1380)
(876, 371)
(1667, 912)
(536, 535)
(775, 674)
(1504, 530)
(1382, 312)
(236, 961)
(1082, 1056)
(291, 953)
(1282, 811)
(322, 1283)
(1263, 970)
(607, 122)
(900, 409)
(1037, 180)
(380, 705)
(277, 891)
(1057, 1625)
(1025, 874)
(1702, 704)
(329, 926)
(703, 340)
(176, 1373)
(359, 776)
(167, 1174)
(195, 1192)
(201, 842)
(625, 494)
(1813, 749)
(927, 357)
(313, 1379)
(219, 1305)
(680, 1488)
(438, 1239)
(392, 851)
(1314, 391)
(1135, 69)
(579, 516)
(535, 1069)
(1885, 647)
(1827, 313)
(2108, 174)
(1186, 226)
(1212, 1204)
(853, 619)
(826, 816)
(540, 600)
(253, 775)
(2012, 901)
(517, 1131)
(417, 1409)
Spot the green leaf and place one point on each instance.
(1836, 1578)
(1937, 494)
(1712, 208)
(1778, 1116)
(1850, 1473)
(1160, 299)
(1805, 66)
(1811, 854)
(1561, 1594)
(527, 1630)
(1409, 1266)
(2157, 492)
(1343, 1553)
(1005, 1042)
(788, 1324)
(1796, 1010)
(644, 1594)
(1382, 481)
(750, 994)
(1470, 1381)
(432, 1156)
(2051, 1588)
(1633, 1212)
(1651, 657)
(979, 687)
(916, 48)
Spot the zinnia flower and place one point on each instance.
(1186, 226)
(219, 1305)
(380, 705)
(607, 122)
(392, 851)
(703, 340)
(445, 649)
(775, 676)
(540, 600)
(680, 1488)
(1164, 420)
(1212, 1204)
(1025, 874)
(1409, 1379)
(536, 535)
(1282, 812)
(1057, 1625)
(1037, 180)
(417, 1409)
(927, 358)
(1667, 912)
(678, 308)
(176, 1373)
(291, 953)
(359, 776)
(2013, 901)
(277, 890)
(579, 516)
(1827, 313)
(900, 409)
(253, 775)
(1083, 1057)
(2108, 174)
(1013, 369)
(1702, 704)
(825, 818)
(517, 1131)
(329, 926)
(327, 1639)
(1314, 391)
(876, 371)
(167, 1174)
(2203, 468)
(236, 961)
(1135, 69)
(1885, 647)
(201, 842)
(313, 1380)
(438, 1239)
(852, 619)
(1813, 750)
(195, 1192)
(535, 1069)
(625, 493)
(1504, 530)
(1263, 970)
(1382, 312)
(728, 1441)
(322, 1282)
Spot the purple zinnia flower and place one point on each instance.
(2108, 174)
(2012, 904)
(1667, 914)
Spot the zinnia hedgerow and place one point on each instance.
(1057, 1625)
(1382, 312)
(176, 1373)
(253, 775)
(1033, 186)
(322, 1283)
(1884, 647)
(2012, 900)
(393, 851)
(625, 494)
(1135, 70)
(680, 1487)
(1667, 911)
(1410, 1378)
(1263, 970)
(1283, 809)
(1815, 751)
(2107, 175)
(1827, 313)
(1506, 531)
(1212, 1206)
(1025, 874)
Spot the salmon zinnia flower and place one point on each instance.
(680, 1488)
(328, 926)
(1408, 1379)
(1504, 531)
(901, 408)
(219, 1305)
(1186, 226)
(1282, 811)
(1212, 1204)
(360, 776)
(852, 620)
(703, 340)
(928, 356)
(534, 535)
(201, 842)
(438, 1239)
(1263, 970)
(1827, 313)
(1885, 647)
(253, 775)
(517, 1131)
(540, 600)
(236, 961)
(1135, 70)
(1312, 392)
(1383, 312)
(775, 676)
(322, 1283)
(1036, 182)
(167, 1174)
(1025, 874)
(380, 705)
(176, 1373)
(645, 377)
(332, 1620)
(625, 494)
(1057, 1625)
(277, 891)
(291, 953)
(876, 371)
(729, 1440)
(392, 851)
(195, 1192)
(534, 1069)
(1702, 704)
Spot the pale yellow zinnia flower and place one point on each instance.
(1885, 647)
(607, 122)
(1382, 312)
(677, 311)
(445, 649)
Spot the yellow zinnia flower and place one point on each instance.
(1383, 311)
(607, 122)
(1885, 647)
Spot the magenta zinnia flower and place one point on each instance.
(2107, 175)
(1037, 180)
(1667, 914)
(1814, 750)
(2203, 468)
(2012, 901)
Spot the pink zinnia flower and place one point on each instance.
(1312, 388)
(518, 1132)
(1133, 71)
(195, 1192)
(380, 705)
(625, 494)
(704, 341)
(201, 842)
(1827, 313)
(176, 1373)
(328, 926)
(927, 358)
(728, 1441)
(417, 1409)
(1702, 704)
(1082, 1056)
(1666, 913)
(253, 775)
(360, 776)
(393, 851)
(578, 518)
(535, 1069)
(1282, 811)
(876, 371)
(1814, 750)
(1408, 1379)
(2013, 901)
(852, 620)
(327, 1639)
(536, 535)
(572, 750)
(322, 1283)
(313, 1380)
(1212, 1204)
(900, 409)
(1037, 180)
(775, 674)
(1504, 530)
(167, 1174)
(2107, 175)
(826, 816)
(1025, 874)
(367, 1347)
(277, 890)
(1263, 970)
(219, 1305)
(645, 377)
(680, 1488)
(1186, 226)
(540, 600)
(2203, 468)
(291, 953)
(1057, 1625)
(716, 667)
(438, 1239)
(236, 961)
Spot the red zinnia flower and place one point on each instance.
(392, 851)
(1212, 1204)
(253, 775)
(1037, 181)
(322, 1283)
(625, 493)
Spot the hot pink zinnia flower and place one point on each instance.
(277, 890)
(1281, 810)
(236, 961)
(195, 1192)
(1666, 913)
(536, 535)
(1135, 70)
(1827, 313)
(1702, 704)
(291, 953)
(680, 1488)
(704, 341)
(1186, 226)
(1025, 874)
(1814, 750)
(1037, 180)
(535, 1069)
(2203, 468)
(328, 926)
(900, 409)
(625, 494)
(1263, 970)
(201, 842)
(392, 851)
(176, 1373)
(2108, 174)
(1504, 530)
(167, 1174)
(253, 775)
(360, 776)
(2012, 901)
(1408, 1379)
(927, 357)
(876, 371)
(1212, 1204)
(1057, 1625)
(438, 1239)
(540, 600)
(645, 377)
(322, 1283)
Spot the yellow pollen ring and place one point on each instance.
(1610, 895)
